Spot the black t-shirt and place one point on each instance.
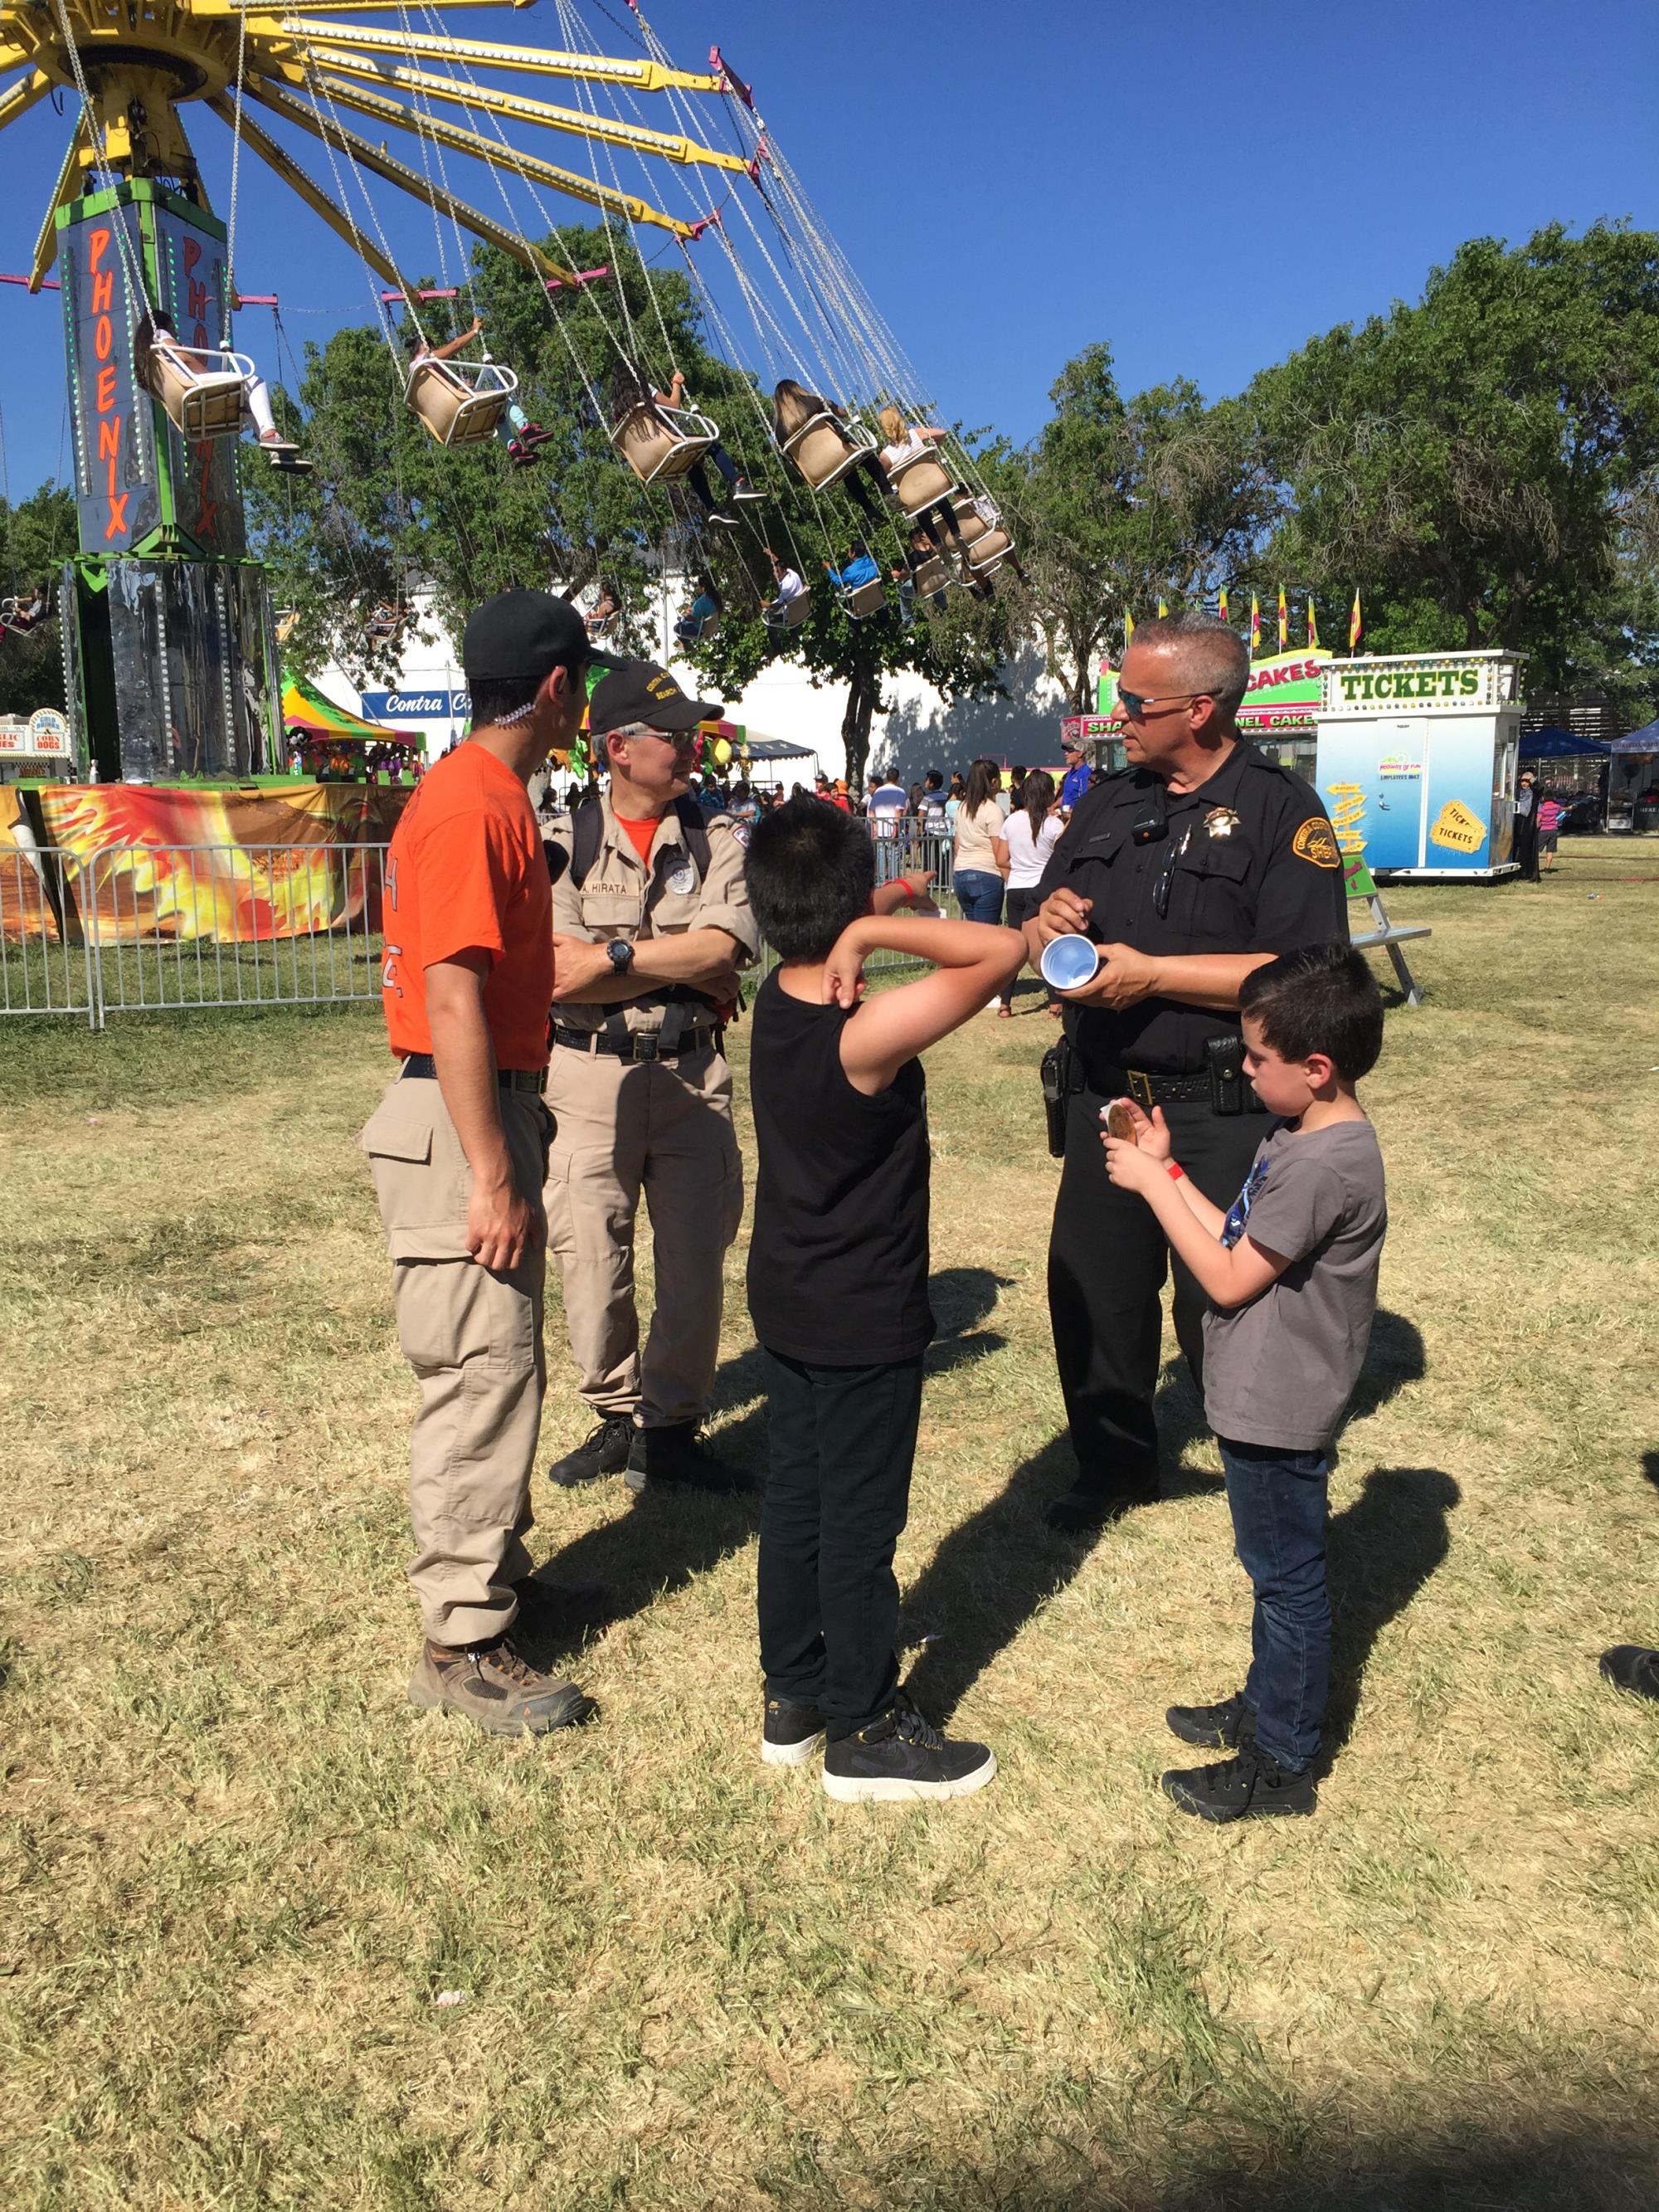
(838, 1259)
(1249, 864)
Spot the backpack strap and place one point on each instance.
(694, 827)
(586, 830)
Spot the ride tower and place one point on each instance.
(169, 647)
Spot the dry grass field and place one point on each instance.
(271, 1940)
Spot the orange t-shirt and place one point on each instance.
(467, 867)
(640, 836)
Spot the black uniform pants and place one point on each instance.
(1107, 1259)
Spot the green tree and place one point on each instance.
(1122, 502)
(36, 537)
(1474, 463)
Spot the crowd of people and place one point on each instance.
(559, 1009)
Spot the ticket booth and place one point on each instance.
(1416, 760)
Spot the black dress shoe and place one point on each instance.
(1217, 1728)
(604, 1452)
(1082, 1509)
(676, 1455)
(1633, 1666)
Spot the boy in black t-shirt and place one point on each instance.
(838, 1290)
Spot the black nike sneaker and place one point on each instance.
(790, 1733)
(901, 1756)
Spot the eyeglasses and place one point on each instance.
(1135, 704)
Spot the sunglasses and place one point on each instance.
(1135, 704)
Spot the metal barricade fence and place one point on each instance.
(145, 929)
(152, 928)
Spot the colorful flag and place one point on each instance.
(1284, 620)
(1221, 603)
(1163, 609)
(1313, 626)
(1128, 629)
(1356, 628)
(1255, 625)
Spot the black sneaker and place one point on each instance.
(790, 1732)
(725, 521)
(1248, 1788)
(1217, 1728)
(677, 1454)
(1633, 1666)
(604, 1452)
(902, 1756)
(743, 489)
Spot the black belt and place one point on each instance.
(644, 1045)
(1160, 1090)
(510, 1078)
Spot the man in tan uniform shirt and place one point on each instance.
(648, 944)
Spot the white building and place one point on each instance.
(921, 730)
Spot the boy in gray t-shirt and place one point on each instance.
(1290, 1272)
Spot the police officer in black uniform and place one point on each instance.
(1198, 862)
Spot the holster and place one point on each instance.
(1224, 1057)
(1060, 1074)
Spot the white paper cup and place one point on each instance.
(1068, 963)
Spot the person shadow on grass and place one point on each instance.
(992, 1574)
(670, 1535)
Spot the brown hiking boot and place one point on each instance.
(494, 1685)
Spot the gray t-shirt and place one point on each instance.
(1278, 1371)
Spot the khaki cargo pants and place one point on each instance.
(663, 1127)
(474, 1338)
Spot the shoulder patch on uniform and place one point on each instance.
(1315, 841)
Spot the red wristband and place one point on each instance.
(910, 894)
(1174, 1169)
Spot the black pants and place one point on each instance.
(1017, 909)
(1525, 846)
(837, 1494)
(1107, 1259)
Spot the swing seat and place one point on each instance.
(461, 403)
(918, 484)
(662, 444)
(971, 525)
(823, 450)
(862, 600)
(787, 614)
(202, 401)
(990, 550)
(930, 576)
(691, 631)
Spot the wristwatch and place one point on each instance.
(622, 955)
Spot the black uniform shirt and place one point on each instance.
(1250, 865)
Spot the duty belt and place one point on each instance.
(644, 1044)
(533, 1079)
(1151, 1091)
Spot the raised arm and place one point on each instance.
(971, 960)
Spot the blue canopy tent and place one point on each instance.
(1644, 740)
(1560, 745)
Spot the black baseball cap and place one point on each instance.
(640, 691)
(522, 637)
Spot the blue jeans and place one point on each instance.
(978, 894)
(1278, 1500)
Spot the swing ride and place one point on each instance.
(172, 653)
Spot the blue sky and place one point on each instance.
(1013, 181)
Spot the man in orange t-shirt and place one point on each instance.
(458, 1149)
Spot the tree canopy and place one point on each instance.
(36, 538)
